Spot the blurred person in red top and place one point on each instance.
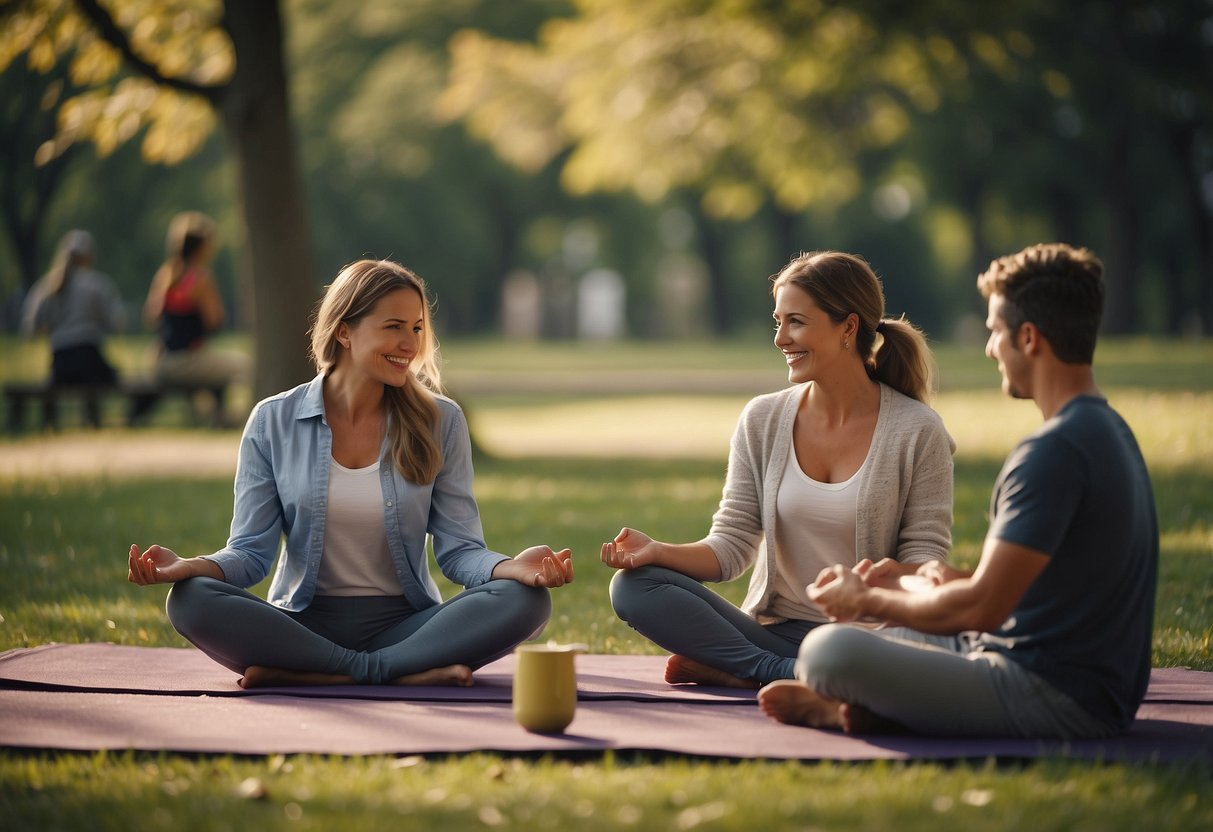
(184, 307)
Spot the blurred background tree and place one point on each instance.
(977, 130)
(689, 147)
(166, 70)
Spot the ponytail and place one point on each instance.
(903, 360)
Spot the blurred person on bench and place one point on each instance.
(847, 465)
(77, 306)
(1050, 636)
(185, 309)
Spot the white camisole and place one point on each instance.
(814, 528)
(356, 559)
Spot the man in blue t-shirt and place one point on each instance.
(1050, 636)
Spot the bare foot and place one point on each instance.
(680, 670)
(795, 703)
(256, 676)
(455, 675)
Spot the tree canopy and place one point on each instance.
(744, 101)
(668, 140)
(166, 69)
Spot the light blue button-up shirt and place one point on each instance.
(282, 482)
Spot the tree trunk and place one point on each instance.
(254, 107)
(27, 189)
(787, 243)
(1185, 140)
(1120, 265)
(972, 201)
(506, 224)
(712, 248)
(1065, 213)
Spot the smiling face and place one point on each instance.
(383, 343)
(1002, 347)
(808, 339)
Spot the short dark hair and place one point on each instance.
(1056, 287)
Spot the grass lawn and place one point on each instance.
(640, 443)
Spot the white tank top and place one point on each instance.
(814, 528)
(356, 560)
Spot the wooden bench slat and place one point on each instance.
(141, 393)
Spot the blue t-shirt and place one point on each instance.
(1078, 490)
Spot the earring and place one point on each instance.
(846, 343)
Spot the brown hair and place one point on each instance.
(842, 284)
(412, 410)
(1058, 288)
(187, 233)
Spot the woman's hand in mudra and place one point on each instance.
(629, 550)
(158, 565)
(538, 566)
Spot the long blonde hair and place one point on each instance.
(412, 410)
(843, 283)
(74, 250)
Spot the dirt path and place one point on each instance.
(121, 454)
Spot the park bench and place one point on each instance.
(141, 395)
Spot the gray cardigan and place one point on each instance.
(905, 491)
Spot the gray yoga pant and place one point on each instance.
(373, 639)
(939, 685)
(683, 616)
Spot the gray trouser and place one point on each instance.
(938, 684)
(373, 639)
(685, 617)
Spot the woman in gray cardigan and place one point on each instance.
(848, 465)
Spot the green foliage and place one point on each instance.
(929, 137)
(108, 107)
(657, 96)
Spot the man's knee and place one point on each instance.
(829, 655)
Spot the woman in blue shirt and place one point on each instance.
(355, 469)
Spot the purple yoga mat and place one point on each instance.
(113, 668)
(116, 668)
(105, 696)
(288, 724)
